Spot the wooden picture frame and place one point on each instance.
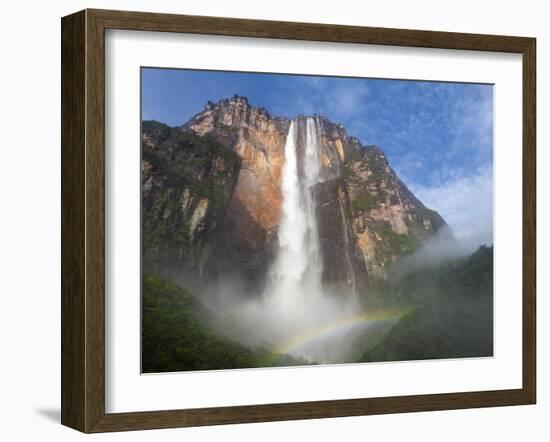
(83, 220)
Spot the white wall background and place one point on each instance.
(30, 217)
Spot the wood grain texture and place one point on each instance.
(308, 410)
(95, 221)
(73, 130)
(145, 21)
(83, 220)
(529, 220)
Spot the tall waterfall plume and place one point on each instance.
(296, 303)
(296, 314)
(297, 268)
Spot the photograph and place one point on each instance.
(294, 220)
(249, 221)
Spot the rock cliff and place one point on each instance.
(187, 183)
(211, 197)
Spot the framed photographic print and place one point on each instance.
(270, 220)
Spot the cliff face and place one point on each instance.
(249, 238)
(363, 203)
(367, 218)
(387, 220)
(187, 183)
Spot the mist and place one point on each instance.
(466, 203)
(318, 327)
(434, 251)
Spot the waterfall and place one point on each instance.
(297, 269)
(294, 313)
(349, 267)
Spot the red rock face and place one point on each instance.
(259, 140)
(254, 211)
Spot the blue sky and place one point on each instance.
(437, 136)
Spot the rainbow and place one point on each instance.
(338, 326)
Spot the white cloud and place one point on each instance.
(466, 203)
(471, 119)
(342, 100)
(346, 100)
(457, 182)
